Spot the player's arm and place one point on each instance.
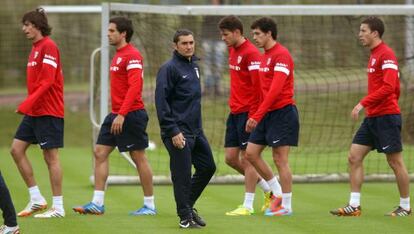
(390, 82)
(135, 79)
(280, 76)
(255, 99)
(46, 78)
(163, 91)
(390, 72)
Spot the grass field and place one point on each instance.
(311, 205)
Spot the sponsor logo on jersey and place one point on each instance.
(32, 64)
(233, 67)
(370, 70)
(114, 68)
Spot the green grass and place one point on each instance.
(311, 203)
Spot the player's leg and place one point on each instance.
(51, 157)
(9, 213)
(134, 139)
(232, 159)
(282, 132)
(280, 158)
(389, 138)
(49, 134)
(105, 144)
(24, 137)
(232, 144)
(362, 144)
(145, 175)
(250, 180)
(18, 151)
(356, 156)
(396, 162)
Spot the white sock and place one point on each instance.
(98, 197)
(264, 185)
(405, 203)
(275, 187)
(149, 202)
(355, 199)
(58, 204)
(35, 195)
(287, 201)
(248, 200)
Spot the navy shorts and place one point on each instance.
(47, 131)
(383, 133)
(236, 136)
(278, 128)
(133, 135)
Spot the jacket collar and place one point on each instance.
(178, 56)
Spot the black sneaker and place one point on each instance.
(399, 212)
(188, 223)
(197, 218)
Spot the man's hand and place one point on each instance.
(116, 127)
(251, 125)
(178, 141)
(355, 111)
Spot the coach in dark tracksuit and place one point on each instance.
(178, 103)
(6, 205)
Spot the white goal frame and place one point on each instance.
(265, 10)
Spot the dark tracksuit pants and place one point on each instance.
(187, 188)
(6, 205)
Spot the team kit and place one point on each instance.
(262, 114)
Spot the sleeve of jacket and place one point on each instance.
(163, 91)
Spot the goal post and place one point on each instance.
(330, 78)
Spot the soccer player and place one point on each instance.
(9, 214)
(178, 103)
(125, 127)
(43, 115)
(244, 100)
(276, 122)
(381, 128)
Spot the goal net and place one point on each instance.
(330, 77)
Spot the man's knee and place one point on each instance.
(354, 159)
(232, 160)
(395, 162)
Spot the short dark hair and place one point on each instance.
(375, 24)
(38, 18)
(181, 32)
(231, 23)
(265, 24)
(123, 24)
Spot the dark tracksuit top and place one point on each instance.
(178, 104)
